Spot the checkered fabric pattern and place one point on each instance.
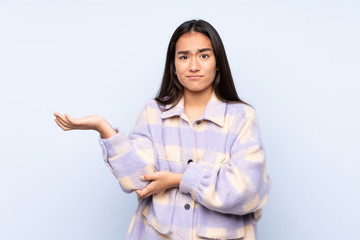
(224, 183)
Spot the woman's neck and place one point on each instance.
(195, 102)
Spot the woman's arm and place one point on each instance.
(160, 181)
(240, 186)
(127, 157)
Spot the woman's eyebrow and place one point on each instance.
(200, 51)
(205, 50)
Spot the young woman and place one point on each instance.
(195, 156)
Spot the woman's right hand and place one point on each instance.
(91, 122)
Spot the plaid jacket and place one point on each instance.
(224, 183)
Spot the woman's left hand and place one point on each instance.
(159, 182)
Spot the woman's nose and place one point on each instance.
(194, 65)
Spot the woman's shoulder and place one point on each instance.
(151, 109)
(152, 104)
(149, 113)
(241, 110)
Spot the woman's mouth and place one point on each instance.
(194, 77)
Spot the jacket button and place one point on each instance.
(187, 206)
(189, 161)
(198, 122)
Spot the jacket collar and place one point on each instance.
(214, 111)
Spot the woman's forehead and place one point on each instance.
(192, 41)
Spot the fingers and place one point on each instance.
(149, 177)
(63, 122)
(138, 192)
(72, 121)
(145, 192)
(63, 127)
(152, 187)
(61, 118)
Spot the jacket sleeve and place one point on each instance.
(130, 157)
(240, 186)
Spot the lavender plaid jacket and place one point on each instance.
(224, 183)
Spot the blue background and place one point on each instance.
(296, 62)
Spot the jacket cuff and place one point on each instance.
(112, 144)
(191, 179)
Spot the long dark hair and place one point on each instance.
(171, 90)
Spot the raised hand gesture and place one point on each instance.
(91, 122)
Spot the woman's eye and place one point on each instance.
(204, 56)
(183, 57)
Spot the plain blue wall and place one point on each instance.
(296, 62)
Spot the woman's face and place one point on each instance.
(195, 63)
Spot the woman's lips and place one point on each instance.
(194, 77)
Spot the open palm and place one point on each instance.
(68, 123)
